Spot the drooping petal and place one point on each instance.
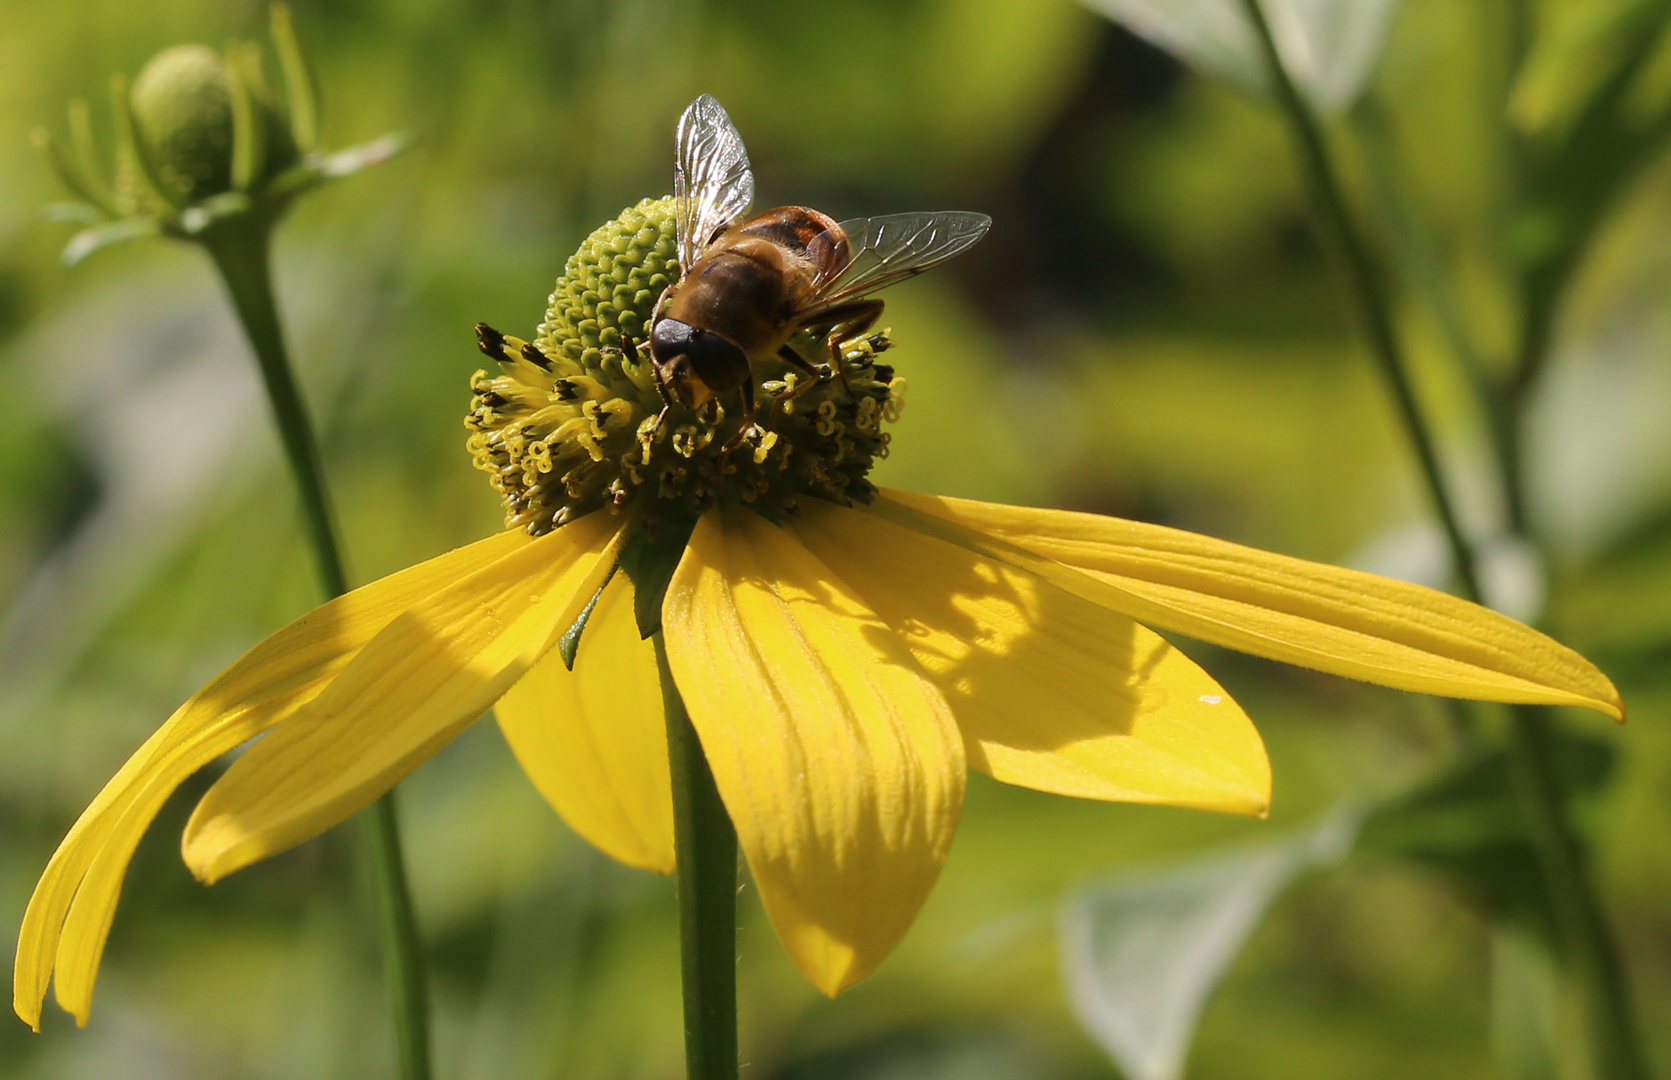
(427, 675)
(594, 740)
(1052, 691)
(69, 915)
(1341, 621)
(838, 761)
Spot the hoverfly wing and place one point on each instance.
(712, 182)
(889, 249)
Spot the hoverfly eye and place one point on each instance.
(669, 338)
(709, 350)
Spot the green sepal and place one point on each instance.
(87, 241)
(316, 169)
(130, 147)
(249, 136)
(1467, 824)
(195, 219)
(73, 213)
(569, 644)
(649, 559)
(300, 89)
(87, 156)
(68, 173)
(352, 160)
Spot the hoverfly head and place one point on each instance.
(695, 364)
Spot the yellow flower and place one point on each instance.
(845, 654)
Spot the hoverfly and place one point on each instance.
(748, 284)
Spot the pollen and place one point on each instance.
(573, 421)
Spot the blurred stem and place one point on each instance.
(1368, 295)
(403, 962)
(1583, 925)
(1417, 254)
(1415, 248)
(705, 845)
(240, 248)
(1587, 939)
(1517, 18)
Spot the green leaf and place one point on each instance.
(1466, 824)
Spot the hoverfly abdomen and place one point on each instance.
(737, 292)
(812, 235)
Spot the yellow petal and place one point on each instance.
(594, 741)
(1052, 691)
(1345, 622)
(70, 913)
(838, 761)
(414, 686)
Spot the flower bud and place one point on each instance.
(185, 108)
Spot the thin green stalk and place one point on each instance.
(705, 845)
(1587, 939)
(403, 958)
(1368, 295)
(1415, 251)
(240, 249)
(1583, 923)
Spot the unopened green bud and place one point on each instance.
(204, 149)
(185, 108)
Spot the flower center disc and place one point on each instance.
(574, 422)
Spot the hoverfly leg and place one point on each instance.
(800, 363)
(813, 377)
(781, 402)
(747, 391)
(663, 388)
(846, 322)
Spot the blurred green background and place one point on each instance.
(1148, 331)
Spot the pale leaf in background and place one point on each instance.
(1330, 47)
(1141, 952)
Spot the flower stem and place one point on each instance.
(240, 247)
(705, 845)
(1586, 937)
(402, 951)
